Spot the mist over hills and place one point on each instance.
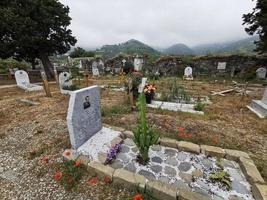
(243, 46)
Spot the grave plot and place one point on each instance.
(23, 82)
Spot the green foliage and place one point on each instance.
(222, 177)
(115, 110)
(71, 88)
(144, 137)
(80, 52)
(39, 29)
(199, 106)
(257, 24)
(11, 63)
(71, 174)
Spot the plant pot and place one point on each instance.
(149, 98)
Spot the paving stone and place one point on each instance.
(236, 174)
(186, 177)
(250, 170)
(129, 142)
(197, 173)
(156, 168)
(117, 164)
(83, 159)
(170, 171)
(184, 166)
(156, 148)
(147, 174)
(168, 142)
(239, 187)
(189, 147)
(116, 140)
(212, 151)
(170, 152)
(156, 160)
(216, 197)
(102, 157)
(160, 190)
(180, 184)
(181, 156)
(206, 163)
(189, 195)
(124, 149)
(259, 191)
(123, 157)
(164, 179)
(203, 185)
(128, 134)
(171, 161)
(202, 192)
(130, 167)
(228, 163)
(234, 197)
(235, 155)
(134, 149)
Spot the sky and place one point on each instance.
(157, 23)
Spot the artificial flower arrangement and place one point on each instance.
(149, 91)
(113, 153)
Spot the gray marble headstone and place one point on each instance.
(64, 79)
(22, 78)
(261, 73)
(84, 115)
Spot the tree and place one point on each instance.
(80, 52)
(31, 29)
(257, 21)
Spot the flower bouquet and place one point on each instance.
(149, 91)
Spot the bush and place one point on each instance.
(144, 137)
(199, 106)
(11, 63)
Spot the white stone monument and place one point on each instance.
(65, 81)
(221, 66)
(95, 70)
(142, 85)
(259, 107)
(87, 136)
(138, 63)
(188, 73)
(261, 73)
(23, 82)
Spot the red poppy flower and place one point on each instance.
(107, 180)
(58, 176)
(93, 181)
(181, 129)
(45, 160)
(77, 164)
(67, 153)
(213, 140)
(138, 197)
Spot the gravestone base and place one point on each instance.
(259, 108)
(67, 92)
(31, 87)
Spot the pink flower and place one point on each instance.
(58, 176)
(93, 181)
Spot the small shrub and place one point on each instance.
(144, 137)
(199, 106)
(222, 177)
(71, 88)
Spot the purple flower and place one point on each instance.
(113, 153)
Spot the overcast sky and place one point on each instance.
(157, 22)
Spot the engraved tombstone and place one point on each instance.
(22, 78)
(188, 73)
(261, 73)
(64, 80)
(84, 115)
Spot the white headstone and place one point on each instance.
(64, 79)
(22, 78)
(81, 64)
(84, 115)
(188, 71)
(142, 85)
(95, 69)
(123, 62)
(138, 64)
(261, 73)
(221, 65)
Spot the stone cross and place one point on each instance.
(84, 115)
(64, 80)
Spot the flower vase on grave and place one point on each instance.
(149, 98)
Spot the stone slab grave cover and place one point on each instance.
(87, 135)
(95, 70)
(23, 81)
(188, 73)
(65, 81)
(259, 107)
(261, 73)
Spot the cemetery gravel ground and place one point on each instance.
(43, 127)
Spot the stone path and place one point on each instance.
(186, 170)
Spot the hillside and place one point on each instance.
(178, 49)
(129, 47)
(244, 46)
